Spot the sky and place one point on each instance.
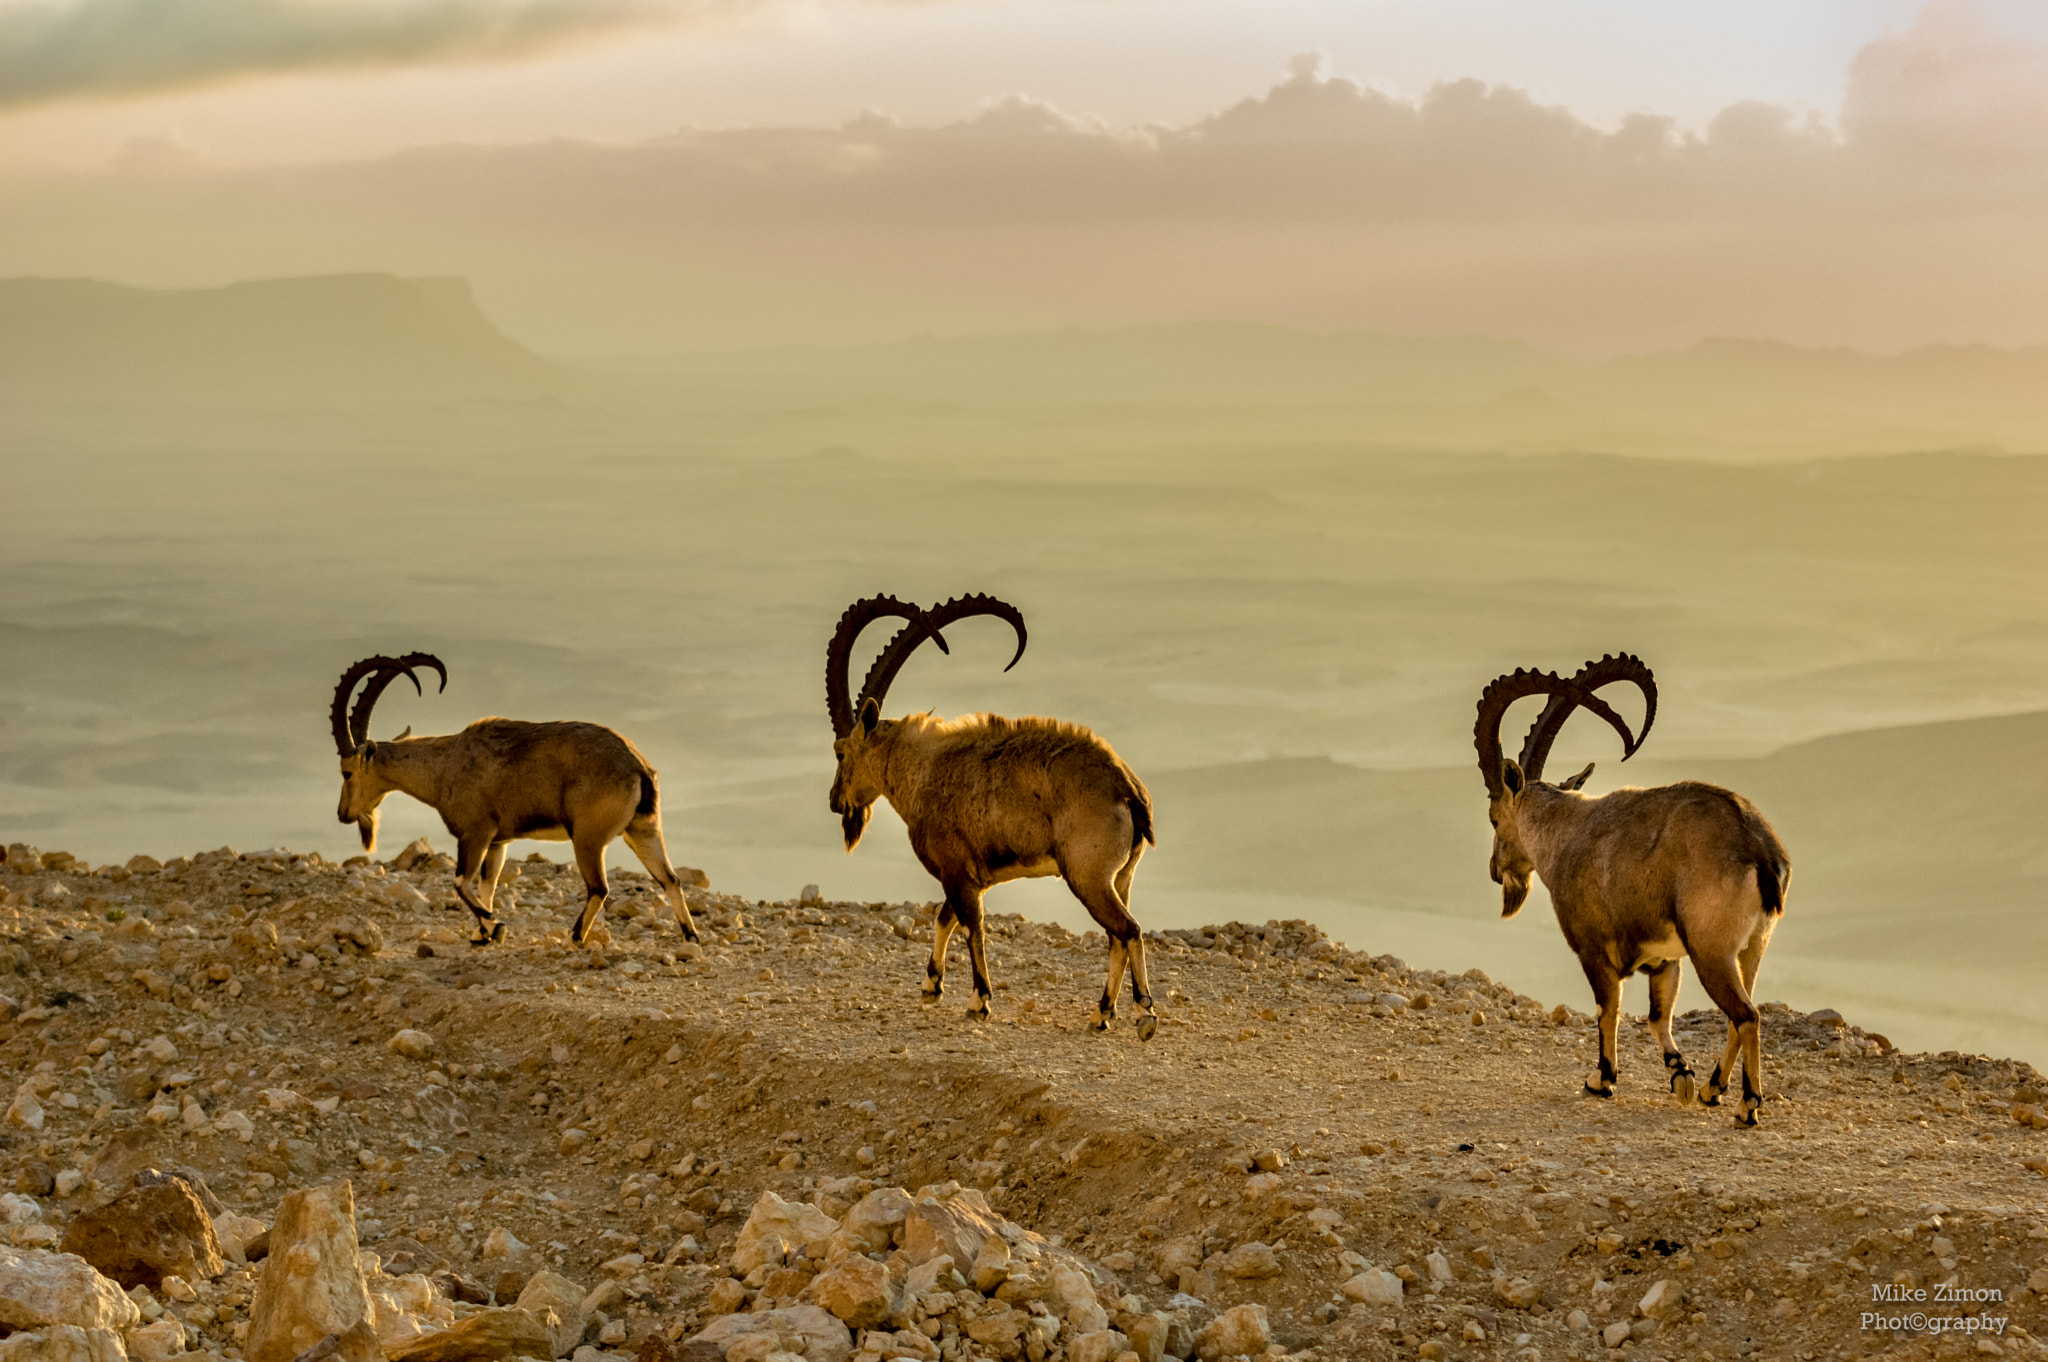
(1591, 175)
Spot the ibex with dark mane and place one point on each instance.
(498, 780)
(988, 799)
(1640, 878)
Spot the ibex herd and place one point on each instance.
(1640, 878)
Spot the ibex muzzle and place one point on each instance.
(1640, 878)
(988, 799)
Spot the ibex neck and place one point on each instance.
(413, 766)
(1549, 819)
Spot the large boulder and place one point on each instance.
(776, 1228)
(39, 1288)
(158, 1342)
(875, 1223)
(1240, 1331)
(1070, 1294)
(486, 1336)
(404, 1307)
(857, 1290)
(63, 1343)
(1248, 1262)
(955, 1224)
(312, 1285)
(1375, 1286)
(158, 1228)
(557, 1303)
(1178, 1260)
(817, 1336)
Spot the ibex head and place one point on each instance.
(861, 736)
(362, 789)
(1508, 781)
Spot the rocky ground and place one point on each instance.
(1374, 1161)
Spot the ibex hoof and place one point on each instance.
(1148, 1027)
(1747, 1117)
(928, 996)
(978, 1012)
(1592, 1091)
(1101, 1023)
(1682, 1089)
(1710, 1098)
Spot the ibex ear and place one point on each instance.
(1511, 777)
(403, 736)
(1577, 782)
(369, 751)
(870, 715)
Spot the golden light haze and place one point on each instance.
(1906, 212)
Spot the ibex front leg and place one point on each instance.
(1663, 999)
(967, 907)
(477, 862)
(942, 936)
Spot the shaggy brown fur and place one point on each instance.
(502, 779)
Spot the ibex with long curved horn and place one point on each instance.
(498, 780)
(988, 799)
(1640, 878)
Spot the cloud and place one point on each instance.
(1914, 215)
(62, 49)
(1950, 86)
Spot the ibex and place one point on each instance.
(500, 779)
(988, 799)
(1640, 878)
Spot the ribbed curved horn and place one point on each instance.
(1591, 677)
(838, 699)
(1505, 690)
(352, 728)
(876, 685)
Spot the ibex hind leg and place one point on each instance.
(643, 835)
(1607, 1001)
(590, 863)
(1664, 981)
(1723, 981)
(1141, 983)
(1095, 876)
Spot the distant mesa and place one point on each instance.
(347, 338)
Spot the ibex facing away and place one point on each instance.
(988, 799)
(498, 780)
(1640, 878)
